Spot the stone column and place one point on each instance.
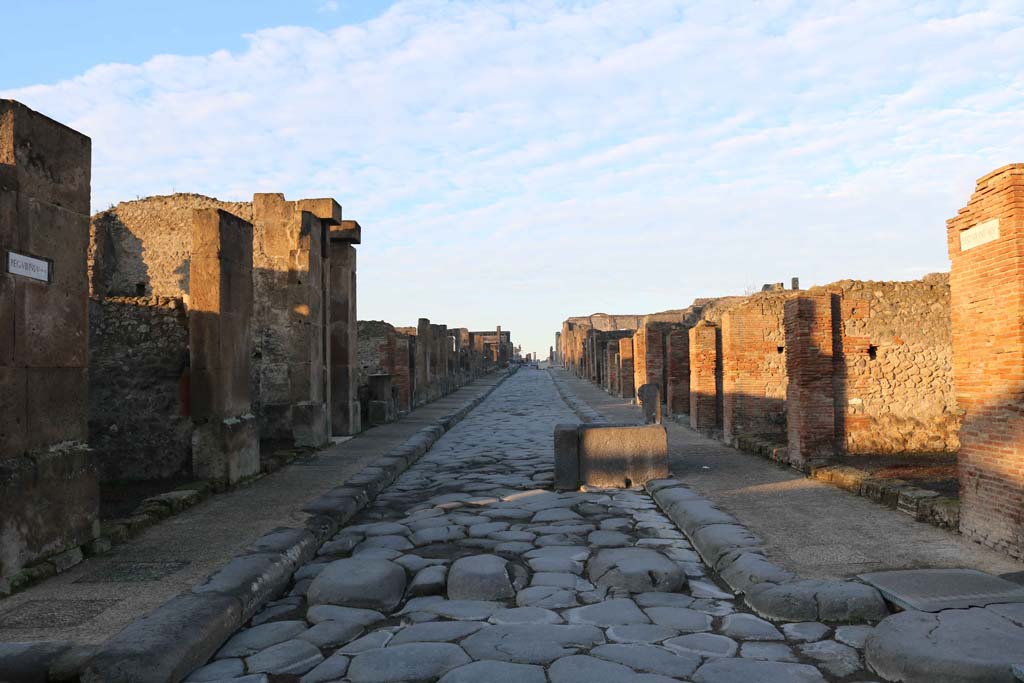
(648, 357)
(810, 396)
(225, 443)
(611, 349)
(422, 361)
(986, 247)
(402, 376)
(345, 409)
(626, 389)
(49, 496)
(703, 384)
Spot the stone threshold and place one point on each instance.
(197, 622)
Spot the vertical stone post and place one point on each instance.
(611, 349)
(615, 371)
(677, 370)
(626, 389)
(403, 377)
(49, 496)
(703, 384)
(225, 443)
(810, 396)
(986, 247)
(345, 409)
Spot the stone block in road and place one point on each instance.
(479, 577)
(622, 455)
(369, 584)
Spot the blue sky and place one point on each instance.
(517, 162)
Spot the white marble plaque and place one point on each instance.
(979, 234)
(27, 266)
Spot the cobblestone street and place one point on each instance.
(469, 568)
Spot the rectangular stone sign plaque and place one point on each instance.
(979, 234)
(28, 266)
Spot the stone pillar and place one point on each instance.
(611, 349)
(648, 357)
(754, 369)
(986, 247)
(422, 360)
(616, 371)
(677, 370)
(225, 443)
(345, 409)
(810, 397)
(703, 345)
(49, 496)
(626, 389)
(403, 377)
(291, 317)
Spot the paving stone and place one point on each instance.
(680, 618)
(367, 584)
(663, 600)
(805, 631)
(412, 663)
(854, 636)
(440, 534)
(355, 615)
(565, 580)
(531, 643)
(513, 548)
(436, 632)
(729, 670)
(704, 644)
(252, 640)
(495, 672)
(608, 613)
(331, 669)
(386, 542)
(331, 633)
(525, 615)
(218, 670)
(479, 577)
(428, 581)
(555, 515)
(548, 597)
(649, 658)
(463, 610)
(371, 641)
(289, 657)
(609, 539)
(706, 589)
(776, 652)
(636, 570)
(640, 633)
(487, 528)
(748, 627)
(836, 658)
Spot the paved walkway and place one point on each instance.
(96, 599)
(469, 568)
(811, 528)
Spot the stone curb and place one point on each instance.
(583, 410)
(739, 557)
(184, 632)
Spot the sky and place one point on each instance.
(514, 163)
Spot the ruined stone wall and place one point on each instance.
(138, 354)
(142, 247)
(374, 339)
(754, 377)
(677, 370)
(897, 367)
(703, 346)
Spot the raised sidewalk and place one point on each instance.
(90, 602)
(810, 528)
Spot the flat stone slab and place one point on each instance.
(495, 672)
(735, 670)
(412, 663)
(955, 646)
(366, 584)
(479, 577)
(531, 643)
(932, 590)
(637, 570)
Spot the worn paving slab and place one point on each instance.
(558, 604)
(94, 600)
(784, 507)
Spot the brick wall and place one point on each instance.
(810, 395)
(677, 370)
(986, 247)
(649, 357)
(138, 354)
(753, 363)
(626, 388)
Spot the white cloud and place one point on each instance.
(516, 162)
(329, 6)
